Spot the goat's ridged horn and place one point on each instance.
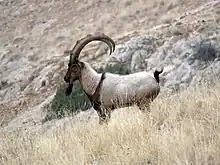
(80, 44)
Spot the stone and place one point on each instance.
(182, 60)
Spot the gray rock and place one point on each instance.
(182, 60)
(134, 52)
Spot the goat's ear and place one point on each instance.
(81, 64)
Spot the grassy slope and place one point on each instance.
(182, 129)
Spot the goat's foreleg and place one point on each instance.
(103, 113)
(104, 116)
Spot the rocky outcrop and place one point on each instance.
(185, 60)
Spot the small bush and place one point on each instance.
(205, 51)
(63, 105)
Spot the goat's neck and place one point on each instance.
(89, 79)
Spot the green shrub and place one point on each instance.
(63, 105)
(116, 68)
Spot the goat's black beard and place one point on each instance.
(69, 89)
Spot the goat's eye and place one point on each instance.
(74, 68)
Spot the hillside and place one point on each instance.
(35, 35)
(180, 35)
(182, 129)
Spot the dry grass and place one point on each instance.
(182, 129)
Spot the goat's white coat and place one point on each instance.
(119, 88)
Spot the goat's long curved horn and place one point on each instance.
(80, 44)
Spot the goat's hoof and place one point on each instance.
(102, 122)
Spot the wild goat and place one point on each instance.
(107, 91)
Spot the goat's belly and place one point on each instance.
(120, 95)
(118, 101)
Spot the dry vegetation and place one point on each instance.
(182, 129)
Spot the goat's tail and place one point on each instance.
(157, 73)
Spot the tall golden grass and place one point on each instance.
(182, 129)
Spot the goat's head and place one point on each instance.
(75, 66)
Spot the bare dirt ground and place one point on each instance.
(35, 33)
(182, 129)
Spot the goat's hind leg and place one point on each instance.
(144, 104)
(144, 107)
